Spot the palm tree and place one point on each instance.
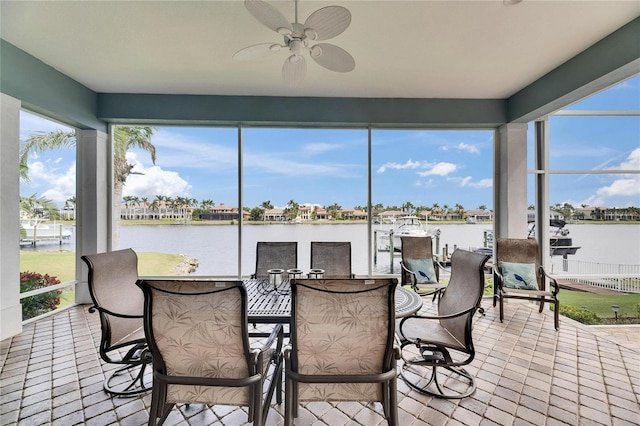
(292, 210)
(408, 207)
(70, 203)
(334, 211)
(124, 138)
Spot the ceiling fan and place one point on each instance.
(323, 24)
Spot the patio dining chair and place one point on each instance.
(275, 255)
(420, 269)
(198, 336)
(342, 344)
(333, 257)
(431, 343)
(120, 304)
(519, 275)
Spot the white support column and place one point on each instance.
(10, 308)
(541, 138)
(93, 205)
(510, 181)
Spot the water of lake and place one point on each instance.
(216, 246)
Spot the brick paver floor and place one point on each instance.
(527, 373)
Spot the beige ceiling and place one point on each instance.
(403, 49)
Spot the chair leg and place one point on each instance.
(288, 402)
(276, 384)
(556, 315)
(501, 301)
(439, 391)
(542, 299)
(393, 402)
(259, 415)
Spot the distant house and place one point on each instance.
(221, 212)
(479, 215)
(531, 215)
(389, 215)
(353, 214)
(275, 215)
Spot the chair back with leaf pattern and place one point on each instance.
(198, 336)
(342, 343)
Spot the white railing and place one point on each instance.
(47, 289)
(617, 277)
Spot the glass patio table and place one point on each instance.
(270, 305)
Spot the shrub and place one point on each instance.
(581, 315)
(40, 303)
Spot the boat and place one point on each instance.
(403, 226)
(560, 243)
(36, 232)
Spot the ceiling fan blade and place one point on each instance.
(268, 16)
(257, 51)
(332, 57)
(327, 22)
(294, 70)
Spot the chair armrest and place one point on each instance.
(552, 281)
(408, 271)
(498, 279)
(276, 333)
(440, 267)
(397, 352)
(437, 317)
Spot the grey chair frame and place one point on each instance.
(524, 250)
(445, 340)
(334, 257)
(387, 378)
(120, 304)
(257, 410)
(275, 254)
(419, 248)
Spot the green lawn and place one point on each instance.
(601, 303)
(60, 264)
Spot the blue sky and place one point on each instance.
(318, 166)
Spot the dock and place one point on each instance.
(587, 288)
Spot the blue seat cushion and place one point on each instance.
(424, 270)
(520, 276)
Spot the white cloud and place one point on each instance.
(399, 166)
(62, 184)
(621, 187)
(439, 169)
(632, 162)
(627, 185)
(465, 147)
(154, 181)
(468, 181)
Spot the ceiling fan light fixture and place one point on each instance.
(294, 59)
(315, 51)
(323, 24)
(311, 34)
